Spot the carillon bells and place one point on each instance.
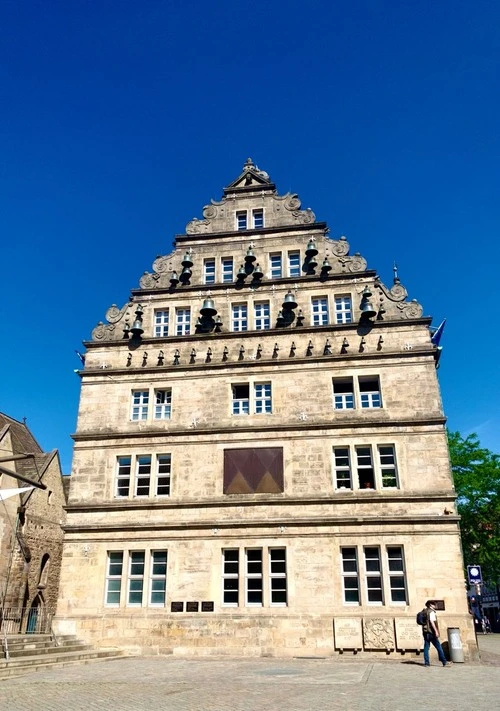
(289, 303)
(208, 308)
(367, 308)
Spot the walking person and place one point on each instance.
(430, 631)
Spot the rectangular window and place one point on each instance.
(230, 577)
(182, 321)
(143, 475)
(209, 271)
(254, 582)
(373, 573)
(277, 576)
(366, 475)
(319, 311)
(275, 266)
(350, 576)
(397, 576)
(258, 219)
(343, 309)
(240, 317)
(163, 473)
(369, 392)
(114, 578)
(140, 405)
(227, 270)
(135, 578)
(343, 478)
(343, 393)
(163, 404)
(241, 220)
(161, 323)
(123, 476)
(158, 579)
(293, 264)
(388, 469)
(262, 315)
(241, 399)
(263, 400)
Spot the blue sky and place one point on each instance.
(120, 120)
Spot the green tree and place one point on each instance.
(476, 472)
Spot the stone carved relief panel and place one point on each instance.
(378, 633)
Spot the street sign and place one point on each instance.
(474, 574)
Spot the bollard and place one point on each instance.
(455, 645)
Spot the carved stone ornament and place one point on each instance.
(108, 331)
(378, 633)
(291, 202)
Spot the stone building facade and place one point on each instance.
(31, 531)
(260, 463)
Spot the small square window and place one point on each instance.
(161, 323)
(240, 317)
(319, 311)
(209, 271)
(241, 220)
(227, 270)
(293, 264)
(241, 399)
(369, 390)
(258, 219)
(343, 309)
(343, 393)
(275, 266)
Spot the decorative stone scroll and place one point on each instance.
(408, 634)
(291, 202)
(108, 331)
(378, 633)
(347, 632)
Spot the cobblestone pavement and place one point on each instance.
(173, 684)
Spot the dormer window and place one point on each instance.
(241, 220)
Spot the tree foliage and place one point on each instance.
(476, 472)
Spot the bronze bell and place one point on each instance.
(257, 272)
(289, 302)
(187, 261)
(174, 279)
(208, 308)
(311, 250)
(137, 329)
(250, 256)
(241, 273)
(326, 266)
(186, 274)
(367, 309)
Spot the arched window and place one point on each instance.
(44, 571)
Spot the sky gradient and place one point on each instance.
(120, 120)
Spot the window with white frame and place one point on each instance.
(143, 475)
(258, 218)
(342, 464)
(135, 578)
(262, 316)
(369, 391)
(388, 468)
(319, 309)
(123, 470)
(263, 399)
(368, 475)
(230, 577)
(350, 576)
(161, 322)
(373, 575)
(141, 589)
(264, 577)
(379, 581)
(163, 404)
(241, 399)
(209, 271)
(140, 405)
(163, 474)
(343, 393)
(277, 576)
(364, 465)
(158, 578)
(241, 220)
(239, 317)
(397, 574)
(293, 264)
(275, 266)
(182, 321)
(254, 582)
(343, 309)
(114, 571)
(227, 269)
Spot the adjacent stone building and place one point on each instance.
(31, 533)
(260, 462)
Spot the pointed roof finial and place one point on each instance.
(395, 270)
(248, 164)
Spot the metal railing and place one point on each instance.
(24, 620)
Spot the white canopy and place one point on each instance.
(7, 493)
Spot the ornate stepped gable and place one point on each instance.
(286, 223)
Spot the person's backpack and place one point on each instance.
(422, 617)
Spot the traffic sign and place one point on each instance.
(474, 574)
